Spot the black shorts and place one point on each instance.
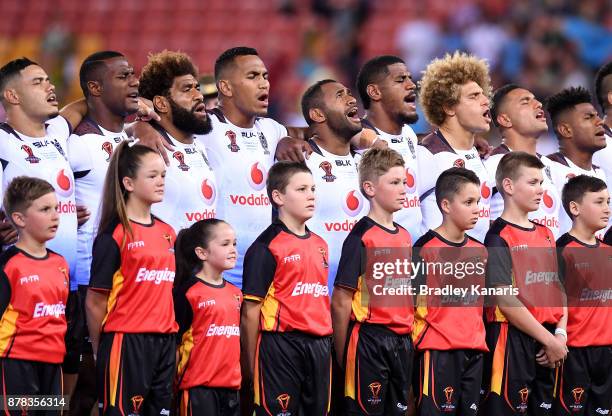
(135, 373)
(292, 374)
(584, 382)
(209, 401)
(448, 382)
(27, 378)
(75, 319)
(378, 368)
(514, 383)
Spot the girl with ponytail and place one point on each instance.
(207, 310)
(130, 311)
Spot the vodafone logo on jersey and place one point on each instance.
(257, 176)
(485, 192)
(352, 203)
(410, 181)
(208, 191)
(64, 183)
(549, 203)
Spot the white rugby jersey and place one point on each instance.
(241, 158)
(339, 203)
(548, 212)
(562, 170)
(45, 158)
(436, 157)
(603, 159)
(406, 144)
(191, 189)
(90, 148)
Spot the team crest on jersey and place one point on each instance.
(283, 401)
(30, 154)
(58, 146)
(375, 393)
(459, 163)
(137, 402)
(180, 157)
(548, 174)
(327, 168)
(233, 147)
(323, 252)
(263, 142)
(411, 147)
(108, 148)
(205, 159)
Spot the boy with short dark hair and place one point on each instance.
(372, 330)
(522, 273)
(449, 334)
(583, 382)
(286, 322)
(34, 285)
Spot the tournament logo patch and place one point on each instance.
(524, 396)
(180, 157)
(327, 168)
(448, 395)
(459, 163)
(283, 401)
(168, 238)
(263, 142)
(233, 147)
(136, 405)
(577, 395)
(108, 148)
(323, 252)
(30, 154)
(375, 393)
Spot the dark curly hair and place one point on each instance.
(565, 100)
(159, 73)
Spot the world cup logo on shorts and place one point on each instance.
(108, 148)
(327, 168)
(375, 390)
(30, 154)
(283, 401)
(233, 147)
(448, 393)
(524, 395)
(577, 393)
(136, 404)
(180, 157)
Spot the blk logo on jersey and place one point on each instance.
(30, 154)
(64, 184)
(108, 148)
(410, 181)
(257, 176)
(233, 147)
(327, 168)
(352, 203)
(208, 192)
(180, 158)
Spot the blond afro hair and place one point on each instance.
(442, 81)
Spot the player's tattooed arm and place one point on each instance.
(341, 314)
(249, 332)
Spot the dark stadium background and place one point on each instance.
(543, 45)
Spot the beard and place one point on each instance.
(187, 121)
(339, 124)
(408, 119)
